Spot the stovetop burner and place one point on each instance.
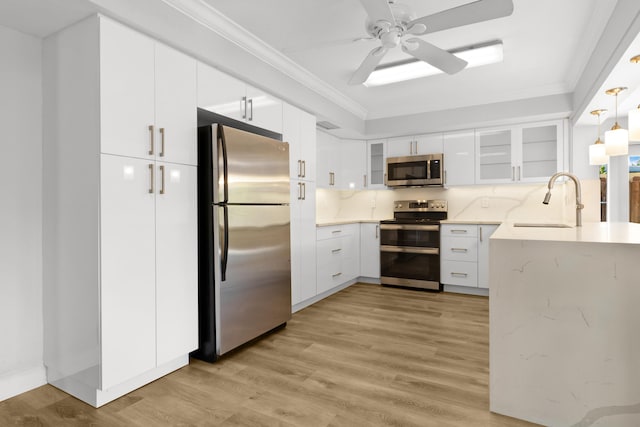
(418, 212)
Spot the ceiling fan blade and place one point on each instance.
(368, 65)
(439, 58)
(378, 10)
(470, 13)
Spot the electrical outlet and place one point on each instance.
(484, 202)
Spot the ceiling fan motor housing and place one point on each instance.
(381, 29)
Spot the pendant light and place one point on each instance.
(617, 139)
(597, 151)
(634, 115)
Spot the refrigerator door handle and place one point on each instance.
(222, 155)
(224, 258)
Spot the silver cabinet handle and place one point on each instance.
(299, 191)
(385, 179)
(151, 139)
(364, 183)
(304, 191)
(513, 173)
(480, 233)
(459, 274)
(458, 250)
(336, 275)
(332, 178)
(335, 251)
(162, 180)
(304, 169)
(151, 178)
(161, 142)
(456, 231)
(250, 109)
(299, 168)
(377, 230)
(519, 176)
(244, 107)
(444, 181)
(336, 231)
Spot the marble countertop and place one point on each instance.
(590, 232)
(345, 221)
(468, 221)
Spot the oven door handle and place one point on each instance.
(410, 250)
(409, 227)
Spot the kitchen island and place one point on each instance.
(564, 324)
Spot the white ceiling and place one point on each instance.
(546, 46)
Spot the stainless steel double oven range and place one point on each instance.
(410, 244)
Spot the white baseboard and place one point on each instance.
(20, 382)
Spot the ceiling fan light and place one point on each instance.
(477, 55)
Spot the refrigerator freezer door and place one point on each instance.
(257, 168)
(255, 295)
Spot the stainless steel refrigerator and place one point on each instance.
(244, 243)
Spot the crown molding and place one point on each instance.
(203, 13)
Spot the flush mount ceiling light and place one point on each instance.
(597, 151)
(476, 55)
(634, 115)
(616, 140)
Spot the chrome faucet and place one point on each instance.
(579, 205)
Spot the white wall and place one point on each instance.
(21, 336)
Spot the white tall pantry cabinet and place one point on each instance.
(120, 224)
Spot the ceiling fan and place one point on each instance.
(390, 22)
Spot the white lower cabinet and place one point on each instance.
(464, 254)
(303, 241)
(370, 250)
(338, 255)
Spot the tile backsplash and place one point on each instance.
(518, 202)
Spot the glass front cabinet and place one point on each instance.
(529, 152)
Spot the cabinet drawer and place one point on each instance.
(459, 273)
(332, 231)
(458, 230)
(459, 249)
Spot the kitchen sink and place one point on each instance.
(540, 225)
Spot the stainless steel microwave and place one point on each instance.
(415, 171)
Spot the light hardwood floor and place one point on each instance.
(367, 356)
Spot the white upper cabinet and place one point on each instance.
(376, 163)
(299, 130)
(459, 158)
(147, 97)
(225, 95)
(414, 145)
(529, 152)
(352, 174)
(328, 161)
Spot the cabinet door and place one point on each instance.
(370, 250)
(484, 233)
(459, 158)
(263, 110)
(541, 151)
(175, 106)
(127, 282)
(303, 241)
(291, 134)
(329, 261)
(494, 154)
(308, 146)
(429, 144)
(401, 146)
(350, 253)
(327, 160)
(376, 164)
(220, 93)
(176, 261)
(126, 91)
(353, 170)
